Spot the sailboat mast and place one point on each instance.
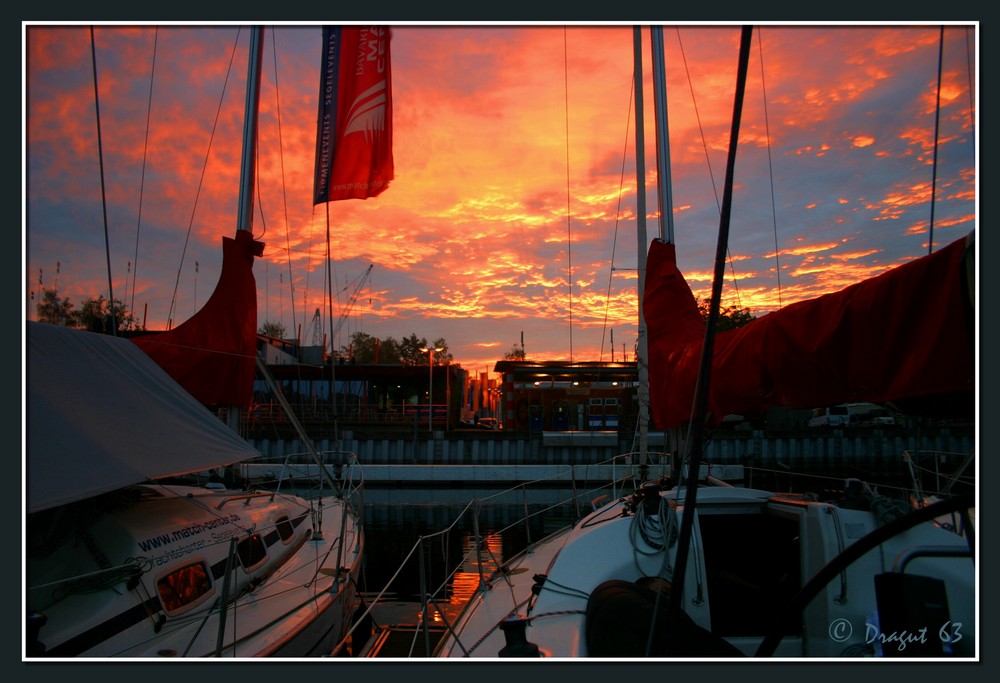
(640, 198)
(254, 64)
(244, 219)
(662, 136)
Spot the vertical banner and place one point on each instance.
(354, 127)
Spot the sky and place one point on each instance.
(512, 215)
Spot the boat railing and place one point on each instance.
(344, 467)
(245, 497)
(942, 471)
(940, 475)
(629, 472)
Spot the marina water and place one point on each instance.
(422, 541)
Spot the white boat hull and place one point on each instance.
(750, 554)
(105, 591)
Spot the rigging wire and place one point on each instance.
(142, 177)
(104, 200)
(201, 180)
(281, 159)
(569, 215)
(708, 160)
(618, 213)
(259, 203)
(934, 164)
(770, 169)
(329, 302)
(970, 65)
(697, 115)
(331, 278)
(310, 253)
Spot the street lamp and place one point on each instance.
(430, 384)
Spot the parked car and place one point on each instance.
(832, 416)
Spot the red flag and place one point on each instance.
(354, 129)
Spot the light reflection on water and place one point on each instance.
(436, 529)
(482, 564)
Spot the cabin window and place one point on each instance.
(251, 552)
(184, 587)
(285, 529)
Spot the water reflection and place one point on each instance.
(423, 541)
(480, 562)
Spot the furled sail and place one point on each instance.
(213, 353)
(904, 337)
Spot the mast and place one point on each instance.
(244, 218)
(254, 63)
(663, 184)
(640, 198)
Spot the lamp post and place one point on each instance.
(430, 384)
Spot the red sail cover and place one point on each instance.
(903, 337)
(213, 353)
(354, 129)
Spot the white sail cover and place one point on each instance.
(101, 415)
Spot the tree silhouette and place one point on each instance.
(365, 349)
(100, 315)
(272, 329)
(55, 311)
(730, 317)
(516, 353)
(96, 315)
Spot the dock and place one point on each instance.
(397, 632)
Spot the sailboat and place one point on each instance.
(137, 546)
(687, 566)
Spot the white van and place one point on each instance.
(832, 416)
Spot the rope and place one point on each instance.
(567, 590)
(659, 534)
(884, 508)
(557, 613)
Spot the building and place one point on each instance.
(567, 396)
(531, 396)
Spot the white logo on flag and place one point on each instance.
(367, 113)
